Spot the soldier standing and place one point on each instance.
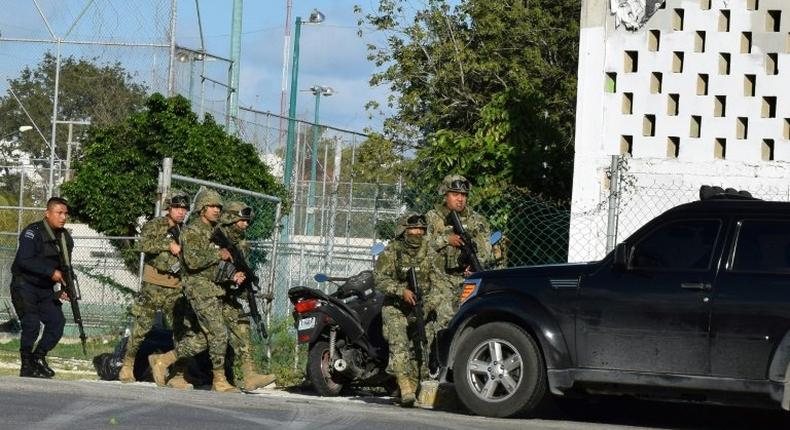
(235, 219)
(44, 251)
(161, 288)
(201, 258)
(455, 190)
(410, 248)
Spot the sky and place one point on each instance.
(332, 54)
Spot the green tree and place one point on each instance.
(115, 180)
(100, 93)
(483, 88)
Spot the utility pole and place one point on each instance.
(235, 54)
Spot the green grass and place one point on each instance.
(66, 358)
(67, 348)
(282, 339)
(68, 352)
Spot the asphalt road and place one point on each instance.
(54, 404)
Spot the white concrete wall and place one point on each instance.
(601, 122)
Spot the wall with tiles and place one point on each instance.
(702, 90)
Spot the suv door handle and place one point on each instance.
(696, 286)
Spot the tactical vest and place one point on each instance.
(164, 261)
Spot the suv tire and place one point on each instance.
(499, 371)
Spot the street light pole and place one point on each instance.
(315, 18)
(318, 91)
(290, 141)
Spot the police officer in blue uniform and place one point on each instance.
(44, 248)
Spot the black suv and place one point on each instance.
(693, 306)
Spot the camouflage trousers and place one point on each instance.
(238, 330)
(400, 331)
(208, 316)
(153, 298)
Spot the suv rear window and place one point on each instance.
(677, 246)
(762, 246)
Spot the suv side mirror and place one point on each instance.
(621, 256)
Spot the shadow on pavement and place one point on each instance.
(644, 413)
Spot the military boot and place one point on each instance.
(406, 385)
(39, 359)
(178, 381)
(159, 364)
(127, 369)
(28, 368)
(221, 384)
(252, 380)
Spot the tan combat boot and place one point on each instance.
(406, 391)
(127, 370)
(427, 396)
(253, 380)
(159, 364)
(221, 384)
(178, 381)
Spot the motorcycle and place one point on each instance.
(344, 331)
(344, 334)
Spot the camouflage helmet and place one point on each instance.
(176, 199)
(454, 183)
(207, 197)
(410, 220)
(235, 211)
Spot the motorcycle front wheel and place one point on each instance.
(318, 370)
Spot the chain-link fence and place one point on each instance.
(333, 231)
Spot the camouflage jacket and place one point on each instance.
(393, 264)
(155, 243)
(439, 228)
(201, 255)
(238, 237)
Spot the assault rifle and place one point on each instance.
(469, 248)
(419, 313)
(249, 286)
(72, 289)
(174, 233)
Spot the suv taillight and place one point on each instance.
(303, 306)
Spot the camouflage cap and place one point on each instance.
(235, 211)
(207, 197)
(176, 199)
(410, 220)
(454, 183)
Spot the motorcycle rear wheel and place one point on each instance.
(318, 371)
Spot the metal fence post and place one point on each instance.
(330, 246)
(614, 200)
(272, 278)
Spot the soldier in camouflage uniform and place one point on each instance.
(235, 219)
(444, 299)
(161, 287)
(409, 249)
(201, 258)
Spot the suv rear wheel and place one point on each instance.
(499, 371)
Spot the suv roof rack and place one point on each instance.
(707, 192)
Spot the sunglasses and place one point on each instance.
(415, 219)
(179, 201)
(245, 213)
(460, 185)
